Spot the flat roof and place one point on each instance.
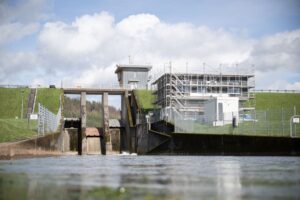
(205, 74)
(121, 66)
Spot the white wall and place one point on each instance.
(215, 116)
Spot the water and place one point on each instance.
(151, 177)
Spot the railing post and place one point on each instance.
(267, 122)
(282, 121)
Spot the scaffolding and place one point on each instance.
(185, 93)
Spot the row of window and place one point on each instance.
(186, 89)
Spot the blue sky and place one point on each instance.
(257, 17)
(42, 40)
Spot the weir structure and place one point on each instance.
(127, 134)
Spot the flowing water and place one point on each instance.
(151, 177)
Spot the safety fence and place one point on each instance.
(273, 122)
(47, 121)
(280, 122)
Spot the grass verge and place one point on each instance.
(48, 97)
(11, 102)
(17, 129)
(145, 100)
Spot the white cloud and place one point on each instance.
(93, 43)
(86, 51)
(280, 51)
(22, 11)
(20, 18)
(293, 86)
(17, 66)
(14, 31)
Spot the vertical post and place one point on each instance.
(170, 93)
(266, 118)
(22, 110)
(83, 109)
(81, 133)
(282, 121)
(242, 127)
(44, 119)
(254, 122)
(79, 139)
(105, 118)
(295, 127)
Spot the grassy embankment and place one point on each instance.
(48, 97)
(277, 101)
(12, 127)
(145, 100)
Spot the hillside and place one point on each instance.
(277, 101)
(94, 117)
(13, 128)
(11, 102)
(145, 100)
(17, 129)
(48, 97)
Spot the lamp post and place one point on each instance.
(22, 93)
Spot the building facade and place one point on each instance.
(186, 93)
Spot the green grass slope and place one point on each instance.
(277, 101)
(16, 129)
(48, 97)
(145, 100)
(11, 102)
(12, 129)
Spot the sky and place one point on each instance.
(79, 42)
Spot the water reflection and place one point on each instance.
(151, 177)
(228, 180)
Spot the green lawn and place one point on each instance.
(17, 129)
(11, 102)
(265, 101)
(273, 128)
(145, 99)
(48, 97)
(13, 128)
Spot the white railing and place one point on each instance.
(48, 122)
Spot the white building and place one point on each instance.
(221, 110)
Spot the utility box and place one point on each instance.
(133, 76)
(219, 111)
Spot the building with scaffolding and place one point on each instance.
(186, 94)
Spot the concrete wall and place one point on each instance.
(115, 139)
(48, 145)
(93, 145)
(193, 144)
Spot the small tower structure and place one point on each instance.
(133, 76)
